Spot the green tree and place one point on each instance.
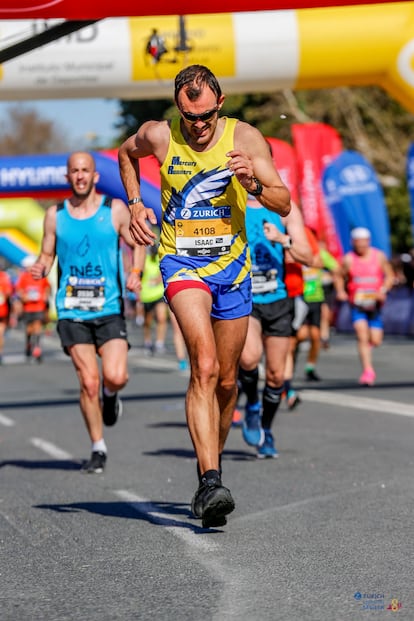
(134, 113)
(24, 132)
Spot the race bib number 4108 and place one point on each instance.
(203, 232)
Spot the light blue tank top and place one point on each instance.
(268, 265)
(90, 275)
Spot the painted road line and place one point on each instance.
(234, 585)
(179, 527)
(50, 449)
(7, 422)
(358, 403)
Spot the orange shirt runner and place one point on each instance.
(33, 293)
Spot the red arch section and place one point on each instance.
(99, 9)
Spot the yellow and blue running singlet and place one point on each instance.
(203, 238)
(203, 210)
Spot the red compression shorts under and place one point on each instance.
(180, 285)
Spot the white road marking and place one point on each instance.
(358, 403)
(50, 449)
(7, 422)
(144, 507)
(234, 584)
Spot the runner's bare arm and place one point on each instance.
(47, 254)
(121, 218)
(149, 140)
(252, 162)
(341, 278)
(300, 249)
(388, 274)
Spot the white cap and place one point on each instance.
(360, 233)
(28, 261)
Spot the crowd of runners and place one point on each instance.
(231, 268)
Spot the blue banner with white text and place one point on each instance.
(356, 198)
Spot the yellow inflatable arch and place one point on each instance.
(24, 215)
(21, 228)
(250, 52)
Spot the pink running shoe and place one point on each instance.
(368, 377)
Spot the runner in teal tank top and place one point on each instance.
(84, 233)
(270, 236)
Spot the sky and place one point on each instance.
(81, 120)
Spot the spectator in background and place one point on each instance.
(33, 294)
(403, 270)
(407, 259)
(366, 278)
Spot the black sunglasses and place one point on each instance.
(204, 116)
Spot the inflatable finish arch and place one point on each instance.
(258, 51)
(78, 9)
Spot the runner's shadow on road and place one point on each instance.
(230, 455)
(189, 454)
(56, 464)
(158, 513)
(58, 403)
(168, 424)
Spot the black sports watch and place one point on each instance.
(259, 188)
(133, 201)
(288, 243)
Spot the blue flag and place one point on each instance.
(356, 198)
(410, 183)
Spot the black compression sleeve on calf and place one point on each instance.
(249, 381)
(271, 401)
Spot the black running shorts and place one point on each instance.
(275, 318)
(93, 332)
(313, 318)
(149, 306)
(34, 316)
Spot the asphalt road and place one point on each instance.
(324, 533)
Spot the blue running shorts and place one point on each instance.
(228, 301)
(372, 317)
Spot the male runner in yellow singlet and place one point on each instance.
(208, 165)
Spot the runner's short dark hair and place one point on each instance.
(192, 79)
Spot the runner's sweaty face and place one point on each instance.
(199, 131)
(81, 174)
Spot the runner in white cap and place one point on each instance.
(366, 278)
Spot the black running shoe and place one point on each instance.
(111, 409)
(212, 502)
(96, 464)
(312, 376)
